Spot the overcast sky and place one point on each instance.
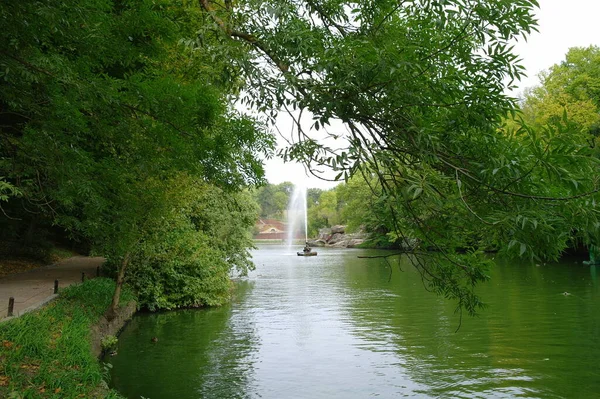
(562, 24)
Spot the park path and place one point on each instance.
(33, 288)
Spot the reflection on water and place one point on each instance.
(334, 326)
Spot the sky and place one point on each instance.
(562, 24)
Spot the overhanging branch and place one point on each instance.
(247, 37)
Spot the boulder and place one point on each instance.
(324, 233)
(339, 244)
(335, 238)
(354, 242)
(338, 229)
(409, 244)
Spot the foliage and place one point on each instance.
(361, 206)
(46, 353)
(7, 190)
(421, 89)
(186, 260)
(109, 342)
(324, 212)
(103, 109)
(273, 199)
(570, 87)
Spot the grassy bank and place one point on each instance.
(46, 353)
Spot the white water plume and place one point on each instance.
(297, 214)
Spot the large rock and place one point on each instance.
(338, 229)
(354, 242)
(335, 238)
(324, 234)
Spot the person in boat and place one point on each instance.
(306, 249)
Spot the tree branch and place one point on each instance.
(253, 40)
(514, 194)
(135, 109)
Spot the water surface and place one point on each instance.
(338, 326)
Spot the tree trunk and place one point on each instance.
(111, 313)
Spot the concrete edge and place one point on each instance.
(31, 308)
(104, 327)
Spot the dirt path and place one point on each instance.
(34, 287)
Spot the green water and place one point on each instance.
(333, 326)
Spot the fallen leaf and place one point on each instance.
(4, 380)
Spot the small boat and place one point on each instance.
(307, 251)
(311, 253)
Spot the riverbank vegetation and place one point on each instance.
(47, 353)
(116, 135)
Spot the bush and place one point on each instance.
(109, 343)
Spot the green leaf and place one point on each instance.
(523, 249)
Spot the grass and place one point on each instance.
(46, 354)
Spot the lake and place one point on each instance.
(336, 326)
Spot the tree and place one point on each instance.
(572, 87)
(104, 111)
(420, 88)
(186, 261)
(273, 199)
(325, 213)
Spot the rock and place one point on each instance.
(340, 244)
(324, 234)
(338, 229)
(354, 242)
(335, 238)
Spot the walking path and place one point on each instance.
(35, 287)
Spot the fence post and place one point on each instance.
(56, 286)
(11, 306)
(98, 271)
(82, 277)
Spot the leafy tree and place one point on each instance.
(324, 213)
(103, 112)
(363, 206)
(186, 260)
(420, 88)
(273, 199)
(312, 196)
(571, 87)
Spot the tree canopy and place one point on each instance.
(421, 88)
(573, 86)
(104, 112)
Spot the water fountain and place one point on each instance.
(297, 214)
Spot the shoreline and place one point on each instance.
(54, 351)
